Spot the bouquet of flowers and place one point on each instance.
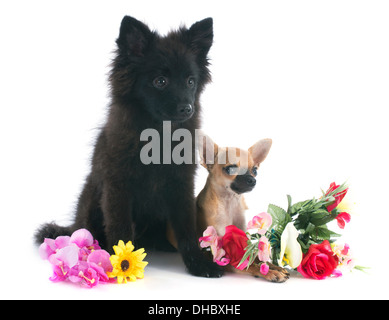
(79, 259)
(297, 237)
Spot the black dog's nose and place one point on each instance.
(185, 109)
(251, 181)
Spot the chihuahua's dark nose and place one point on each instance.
(185, 109)
(251, 181)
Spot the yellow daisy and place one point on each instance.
(127, 263)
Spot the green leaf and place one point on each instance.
(279, 216)
(302, 221)
(274, 239)
(304, 242)
(275, 255)
(289, 203)
(301, 207)
(252, 258)
(250, 250)
(309, 228)
(363, 269)
(244, 257)
(320, 217)
(276, 212)
(334, 235)
(322, 233)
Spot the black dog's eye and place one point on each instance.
(190, 82)
(160, 82)
(231, 170)
(254, 171)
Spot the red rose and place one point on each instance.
(234, 243)
(338, 196)
(319, 262)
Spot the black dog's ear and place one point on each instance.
(200, 36)
(134, 37)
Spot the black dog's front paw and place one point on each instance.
(200, 266)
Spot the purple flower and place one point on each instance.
(63, 261)
(77, 258)
(82, 238)
(92, 271)
(50, 246)
(101, 259)
(85, 274)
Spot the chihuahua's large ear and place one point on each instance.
(207, 149)
(260, 150)
(200, 37)
(134, 37)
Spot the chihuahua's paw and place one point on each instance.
(201, 266)
(276, 274)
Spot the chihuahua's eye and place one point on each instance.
(254, 171)
(190, 82)
(231, 170)
(160, 82)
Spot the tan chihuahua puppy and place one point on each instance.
(232, 172)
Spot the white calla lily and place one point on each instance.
(291, 253)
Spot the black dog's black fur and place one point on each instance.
(153, 79)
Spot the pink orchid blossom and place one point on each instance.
(211, 239)
(82, 238)
(93, 271)
(208, 237)
(263, 249)
(90, 277)
(99, 260)
(77, 258)
(219, 253)
(63, 261)
(223, 261)
(261, 222)
(85, 274)
(51, 246)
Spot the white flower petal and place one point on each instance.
(290, 246)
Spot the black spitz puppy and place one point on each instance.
(153, 79)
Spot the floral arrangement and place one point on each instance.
(297, 237)
(79, 259)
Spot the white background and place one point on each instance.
(311, 75)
